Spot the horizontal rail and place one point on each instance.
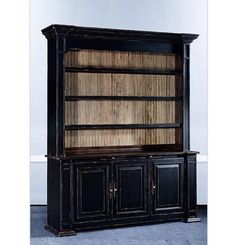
(121, 126)
(123, 70)
(157, 98)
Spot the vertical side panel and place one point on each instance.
(66, 198)
(55, 95)
(51, 98)
(53, 193)
(60, 100)
(186, 95)
(179, 92)
(191, 190)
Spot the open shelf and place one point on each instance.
(122, 61)
(122, 126)
(120, 98)
(129, 150)
(156, 98)
(122, 85)
(100, 137)
(123, 70)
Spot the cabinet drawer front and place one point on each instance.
(91, 192)
(130, 180)
(167, 184)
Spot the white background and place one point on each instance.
(182, 16)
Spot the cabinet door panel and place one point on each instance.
(168, 184)
(130, 180)
(91, 192)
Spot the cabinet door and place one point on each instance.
(91, 191)
(130, 188)
(167, 184)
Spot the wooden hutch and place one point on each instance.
(118, 128)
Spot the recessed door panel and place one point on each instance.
(130, 185)
(167, 184)
(91, 192)
(167, 180)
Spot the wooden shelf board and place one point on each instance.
(121, 126)
(157, 98)
(123, 70)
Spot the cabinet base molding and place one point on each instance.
(178, 217)
(194, 219)
(60, 233)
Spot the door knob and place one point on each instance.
(153, 189)
(115, 190)
(110, 191)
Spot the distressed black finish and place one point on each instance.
(103, 187)
(122, 71)
(167, 184)
(130, 183)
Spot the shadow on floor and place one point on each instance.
(175, 233)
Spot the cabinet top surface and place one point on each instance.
(56, 30)
(124, 155)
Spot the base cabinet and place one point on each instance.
(108, 192)
(130, 182)
(91, 192)
(167, 185)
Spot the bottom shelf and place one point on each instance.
(122, 137)
(121, 150)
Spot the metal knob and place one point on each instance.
(153, 189)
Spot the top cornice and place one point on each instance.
(55, 30)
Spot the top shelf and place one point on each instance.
(123, 70)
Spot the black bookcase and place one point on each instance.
(118, 129)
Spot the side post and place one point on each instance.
(191, 189)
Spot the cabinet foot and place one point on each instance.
(60, 233)
(192, 219)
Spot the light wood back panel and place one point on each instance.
(119, 137)
(121, 112)
(101, 84)
(121, 59)
(92, 112)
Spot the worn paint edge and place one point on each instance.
(43, 159)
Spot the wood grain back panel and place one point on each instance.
(90, 112)
(121, 59)
(100, 84)
(120, 112)
(119, 137)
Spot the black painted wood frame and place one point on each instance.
(68, 173)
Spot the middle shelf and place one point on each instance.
(125, 85)
(122, 112)
(157, 98)
(122, 126)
